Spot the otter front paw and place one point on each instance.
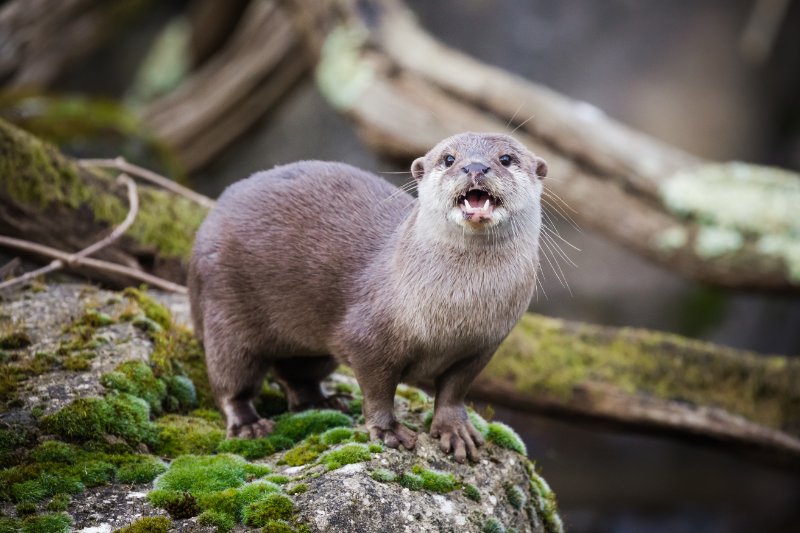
(456, 433)
(260, 428)
(394, 435)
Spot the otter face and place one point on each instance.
(479, 181)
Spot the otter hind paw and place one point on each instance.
(458, 437)
(260, 428)
(396, 435)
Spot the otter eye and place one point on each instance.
(449, 160)
(505, 160)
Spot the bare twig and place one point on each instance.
(63, 259)
(96, 264)
(122, 165)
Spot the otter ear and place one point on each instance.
(418, 168)
(541, 167)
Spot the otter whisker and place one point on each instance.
(555, 195)
(523, 123)
(559, 249)
(555, 233)
(513, 116)
(562, 279)
(560, 212)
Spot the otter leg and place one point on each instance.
(300, 378)
(450, 424)
(378, 387)
(236, 377)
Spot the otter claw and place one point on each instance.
(460, 438)
(392, 438)
(260, 428)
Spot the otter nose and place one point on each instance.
(475, 168)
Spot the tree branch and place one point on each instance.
(728, 224)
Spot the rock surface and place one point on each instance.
(64, 344)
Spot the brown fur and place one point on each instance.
(314, 263)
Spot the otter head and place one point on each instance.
(479, 181)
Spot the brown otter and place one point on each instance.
(312, 264)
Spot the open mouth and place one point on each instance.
(477, 204)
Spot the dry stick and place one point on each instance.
(81, 258)
(122, 165)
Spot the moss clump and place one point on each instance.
(137, 378)
(181, 435)
(356, 406)
(25, 509)
(418, 401)
(222, 521)
(176, 351)
(151, 308)
(544, 499)
(435, 481)
(179, 505)
(383, 475)
(14, 340)
(277, 478)
(181, 389)
(304, 453)
(480, 424)
(493, 525)
(515, 496)
(272, 507)
(336, 436)
(255, 448)
(10, 525)
(14, 442)
(199, 474)
(348, 454)
(297, 426)
(472, 492)
(277, 526)
(148, 524)
(140, 469)
(59, 502)
(53, 451)
(90, 419)
(47, 523)
(502, 435)
(411, 481)
(300, 488)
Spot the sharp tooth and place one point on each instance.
(486, 205)
(466, 204)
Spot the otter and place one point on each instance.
(312, 264)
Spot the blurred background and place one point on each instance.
(719, 79)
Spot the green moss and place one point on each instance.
(515, 496)
(150, 307)
(182, 390)
(47, 523)
(347, 454)
(411, 481)
(140, 469)
(345, 388)
(492, 525)
(199, 474)
(277, 478)
(93, 473)
(179, 505)
(121, 415)
(502, 435)
(137, 378)
(272, 507)
(14, 340)
(472, 492)
(148, 524)
(222, 521)
(25, 509)
(176, 351)
(544, 499)
(53, 451)
(14, 443)
(78, 363)
(418, 401)
(180, 435)
(427, 419)
(255, 448)
(59, 502)
(383, 475)
(300, 488)
(478, 422)
(277, 526)
(336, 435)
(10, 525)
(552, 358)
(297, 426)
(304, 453)
(435, 481)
